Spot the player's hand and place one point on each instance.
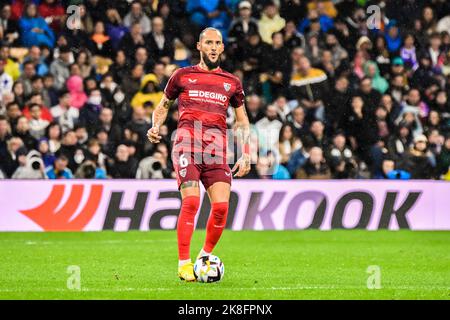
(153, 135)
(242, 166)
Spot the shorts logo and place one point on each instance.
(227, 86)
(182, 172)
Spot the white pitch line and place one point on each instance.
(88, 241)
(242, 289)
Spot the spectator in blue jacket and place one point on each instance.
(34, 30)
(59, 169)
(326, 23)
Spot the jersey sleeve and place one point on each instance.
(173, 88)
(237, 99)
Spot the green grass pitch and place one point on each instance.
(258, 265)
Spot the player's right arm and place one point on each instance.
(158, 118)
(159, 115)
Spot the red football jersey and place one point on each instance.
(203, 98)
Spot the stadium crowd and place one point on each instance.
(332, 89)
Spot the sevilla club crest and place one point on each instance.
(227, 86)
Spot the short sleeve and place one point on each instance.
(237, 99)
(173, 88)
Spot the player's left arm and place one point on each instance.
(242, 130)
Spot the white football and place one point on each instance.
(209, 269)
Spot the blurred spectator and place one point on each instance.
(288, 143)
(309, 86)
(9, 25)
(106, 123)
(44, 149)
(137, 15)
(90, 112)
(53, 13)
(372, 71)
(22, 130)
(59, 169)
(65, 114)
(270, 22)
(160, 42)
(387, 166)
(60, 67)
(124, 166)
(340, 158)
(315, 167)
(31, 166)
(14, 148)
(153, 167)
(443, 160)
(76, 90)
(242, 26)
(34, 30)
(149, 92)
(315, 21)
(37, 124)
(11, 67)
(399, 142)
(359, 127)
(268, 129)
(114, 27)
(100, 43)
(6, 81)
(132, 40)
(89, 170)
(417, 160)
(70, 149)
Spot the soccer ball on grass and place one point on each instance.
(209, 269)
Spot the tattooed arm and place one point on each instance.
(158, 118)
(242, 129)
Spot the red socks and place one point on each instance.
(185, 226)
(216, 223)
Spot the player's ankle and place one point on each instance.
(183, 262)
(203, 253)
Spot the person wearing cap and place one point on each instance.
(270, 22)
(417, 161)
(242, 26)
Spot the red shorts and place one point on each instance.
(188, 167)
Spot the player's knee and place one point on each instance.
(190, 204)
(219, 210)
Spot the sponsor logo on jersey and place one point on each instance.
(192, 80)
(227, 86)
(208, 95)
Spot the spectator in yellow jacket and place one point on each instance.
(270, 22)
(149, 92)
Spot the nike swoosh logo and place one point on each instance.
(227, 174)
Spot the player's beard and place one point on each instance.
(210, 64)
